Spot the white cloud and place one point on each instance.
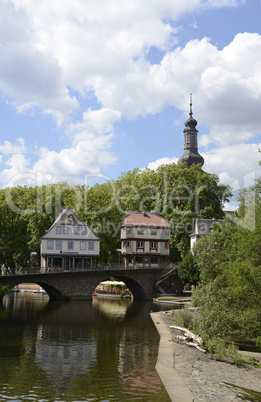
(234, 164)
(15, 165)
(98, 121)
(49, 46)
(89, 155)
(161, 161)
(51, 50)
(7, 148)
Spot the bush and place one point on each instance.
(237, 359)
(4, 290)
(183, 318)
(216, 347)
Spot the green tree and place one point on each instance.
(13, 227)
(229, 260)
(177, 192)
(4, 290)
(188, 271)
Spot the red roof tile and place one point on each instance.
(145, 219)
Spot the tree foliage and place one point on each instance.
(177, 192)
(229, 260)
(188, 270)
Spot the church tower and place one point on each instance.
(191, 154)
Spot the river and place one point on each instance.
(100, 350)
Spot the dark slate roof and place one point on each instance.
(191, 156)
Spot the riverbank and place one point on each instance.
(190, 375)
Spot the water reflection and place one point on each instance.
(95, 351)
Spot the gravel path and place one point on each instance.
(211, 380)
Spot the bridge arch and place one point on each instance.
(52, 292)
(135, 288)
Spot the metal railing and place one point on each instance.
(43, 270)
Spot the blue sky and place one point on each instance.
(93, 89)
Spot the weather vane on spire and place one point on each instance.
(191, 113)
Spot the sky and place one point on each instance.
(89, 90)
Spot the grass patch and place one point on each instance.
(217, 348)
(183, 318)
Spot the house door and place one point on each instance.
(69, 263)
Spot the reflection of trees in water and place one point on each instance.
(77, 350)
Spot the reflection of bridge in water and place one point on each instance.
(144, 283)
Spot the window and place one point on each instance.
(128, 230)
(82, 245)
(91, 245)
(70, 245)
(50, 244)
(139, 260)
(154, 260)
(78, 262)
(141, 232)
(166, 245)
(83, 230)
(139, 244)
(70, 218)
(65, 229)
(126, 244)
(58, 229)
(166, 231)
(57, 262)
(153, 245)
(58, 245)
(80, 230)
(87, 262)
(153, 232)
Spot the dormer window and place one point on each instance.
(70, 218)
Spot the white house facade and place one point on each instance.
(68, 244)
(145, 240)
(202, 228)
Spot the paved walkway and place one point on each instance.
(175, 386)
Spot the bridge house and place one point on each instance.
(145, 240)
(69, 243)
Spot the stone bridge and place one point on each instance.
(144, 284)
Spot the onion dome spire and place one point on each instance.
(191, 154)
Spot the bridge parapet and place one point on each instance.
(43, 270)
